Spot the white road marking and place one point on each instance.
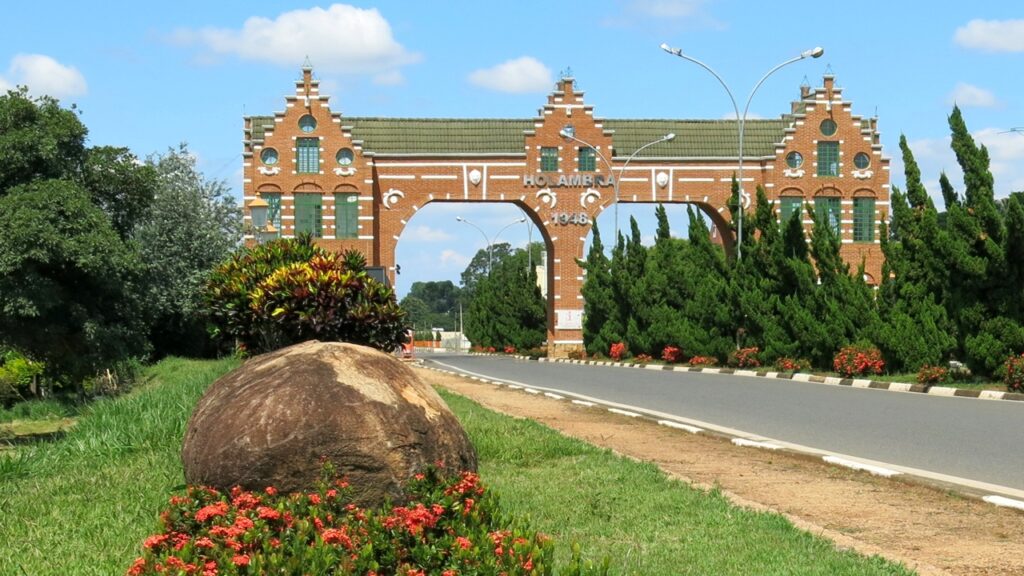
(1003, 501)
(623, 412)
(755, 444)
(555, 396)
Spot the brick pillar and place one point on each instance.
(565, 279)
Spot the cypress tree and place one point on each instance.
(598, 304)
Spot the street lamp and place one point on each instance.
(259, 210)
(487, 239)
(565, 133)
(812, 53)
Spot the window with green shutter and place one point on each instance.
(346, 215)
(549, 159)
(787, 206)
(307, 155)
(863, 219)
(828, 208)
(588, 159)
(273, 200)
(308, 208)
(828, 158)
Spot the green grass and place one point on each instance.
(83, 504)
(968, 385)
(633, 513)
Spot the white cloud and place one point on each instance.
(521, 75)
(424, 233)
(454, 259)
(44, 75)
(965, 95)
(992, 35)
(340, 38)
(389, 78)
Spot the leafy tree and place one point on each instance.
(39, 140)
(439, 300)
(192, 225)
(121, 186)
(68, 283)
(479, 266)
(417, 313)
(507, 308)
(710, 306)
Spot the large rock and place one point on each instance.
(273, 420)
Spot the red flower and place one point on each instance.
(137, 567)
(271, 491)
(266, 513)
(154, 541)
(240, 560)
(207, 512)
(463, 542)
(314, 499)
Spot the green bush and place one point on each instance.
(17, 373)
(228, 292)
(291, 290)
(450, 526)
(326, 299)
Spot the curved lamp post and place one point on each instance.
(611, 171)
(743, 201)
(487, 239)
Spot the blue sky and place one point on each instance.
(151, 75)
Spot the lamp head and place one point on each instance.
(459, 218)
(565, 133)
(670, 50)
(815, 52)
(259, 210)
(669, 136)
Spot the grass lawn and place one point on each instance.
(84, 503)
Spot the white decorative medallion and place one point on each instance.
(474, 176)
(547, 197)
(345, 171)
(661, 179)
(391, 197)
(793, 173)
(269, 171)
(589, 197)
(863, 174)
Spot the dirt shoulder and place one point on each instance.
(927, 529)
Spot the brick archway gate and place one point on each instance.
(356, 182)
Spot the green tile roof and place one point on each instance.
(694, 138)
(438, 135)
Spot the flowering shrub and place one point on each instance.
(490, 349)
(703, 361)
(745, 357)
(858, 360)
(644, 358)
(509, 349)
(932, 375)
(672, 354)
(449, 526)
(1014, 377)
(617, 351)
(791, 365)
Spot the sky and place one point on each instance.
(148, 76)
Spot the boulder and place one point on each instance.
(273, 421)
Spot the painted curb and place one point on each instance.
(945, 391)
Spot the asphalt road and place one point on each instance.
(977, 440)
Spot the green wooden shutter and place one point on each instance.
(829, 209)
(346, 215)
(787, 206)
(828, 158)
(549, 159)
(308, 209)
(588, 159)
(307, 155)
(863, 219)
(274, 209)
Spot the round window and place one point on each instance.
(861, 160)
(345, 156)
(307, 123)
(828, 127)
(794, 159)
(269, 156)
